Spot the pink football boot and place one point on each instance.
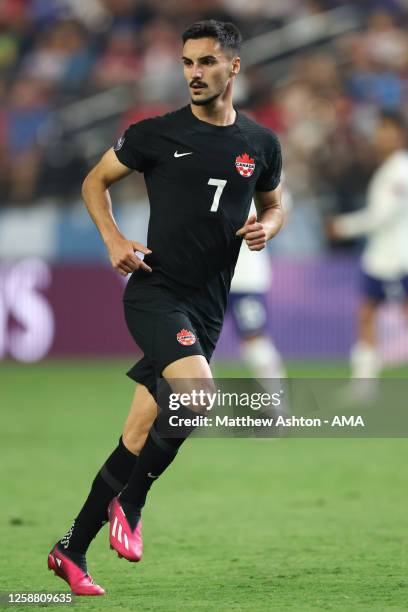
(79, 582)
(127, 542)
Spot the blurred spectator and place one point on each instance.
(369, 80)
(385, 42)
(129, 13)
(28, 107)
(61, 57)
(91, 14)
(8, 49)
(78, 67)
(119, 63)
(161, 61)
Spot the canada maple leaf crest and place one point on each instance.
(245, 165)
(186, 337)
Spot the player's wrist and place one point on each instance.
(112, 238)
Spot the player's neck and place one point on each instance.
(218, 114)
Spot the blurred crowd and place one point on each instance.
(59, 54)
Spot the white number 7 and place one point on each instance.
(220, 184)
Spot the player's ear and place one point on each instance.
(236, 65)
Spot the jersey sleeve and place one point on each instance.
(383, 208)
(133, 149)
(270, 177)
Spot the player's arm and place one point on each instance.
(383, 208)
(349, 225)
(98, 202)
(263, 226)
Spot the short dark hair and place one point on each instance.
(226, 33)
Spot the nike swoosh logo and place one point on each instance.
(150, 475)
(176, 154)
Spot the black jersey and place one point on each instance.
(200, 180)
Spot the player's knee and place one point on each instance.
(368, 310)
(195, 395)
(134, 439)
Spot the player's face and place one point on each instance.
(388, 137)
(208, 69)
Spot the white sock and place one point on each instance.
(262, 357)
(365, 361)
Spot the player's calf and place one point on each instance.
(125, 511)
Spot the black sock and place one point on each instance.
(109, 481)
(78, 558)
(155, 457)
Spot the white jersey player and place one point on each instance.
(384, 220)
(248, 304)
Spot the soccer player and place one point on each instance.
(248, 304)
(202, 166)
(384, 263)
(249, 308)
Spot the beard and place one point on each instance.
(206, 101)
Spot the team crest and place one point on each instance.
(245, 165)
(119, 144)
(186, 337)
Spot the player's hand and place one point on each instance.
(254, 234)
(331, 229)
(123, 258)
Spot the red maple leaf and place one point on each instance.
(245, 159)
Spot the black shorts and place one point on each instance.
(166, 327)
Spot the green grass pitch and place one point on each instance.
(254, 525)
